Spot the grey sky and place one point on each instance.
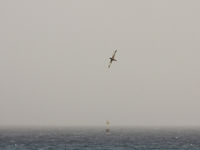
(54, 56)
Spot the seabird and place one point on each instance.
(112, 58)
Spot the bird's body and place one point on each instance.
(112, 58)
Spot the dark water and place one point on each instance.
(97, 139)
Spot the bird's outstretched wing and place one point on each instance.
(109, 64)
(114, 54)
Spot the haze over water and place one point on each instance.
(54, 58)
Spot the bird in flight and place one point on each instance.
(112, 58)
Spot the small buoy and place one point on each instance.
(107, 129)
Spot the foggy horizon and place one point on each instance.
(54, 58)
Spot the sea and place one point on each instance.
(92, 138)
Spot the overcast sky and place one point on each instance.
(54, 57)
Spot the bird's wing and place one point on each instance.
(109, 64)
(114, 54)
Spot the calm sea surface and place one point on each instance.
(97, 139)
